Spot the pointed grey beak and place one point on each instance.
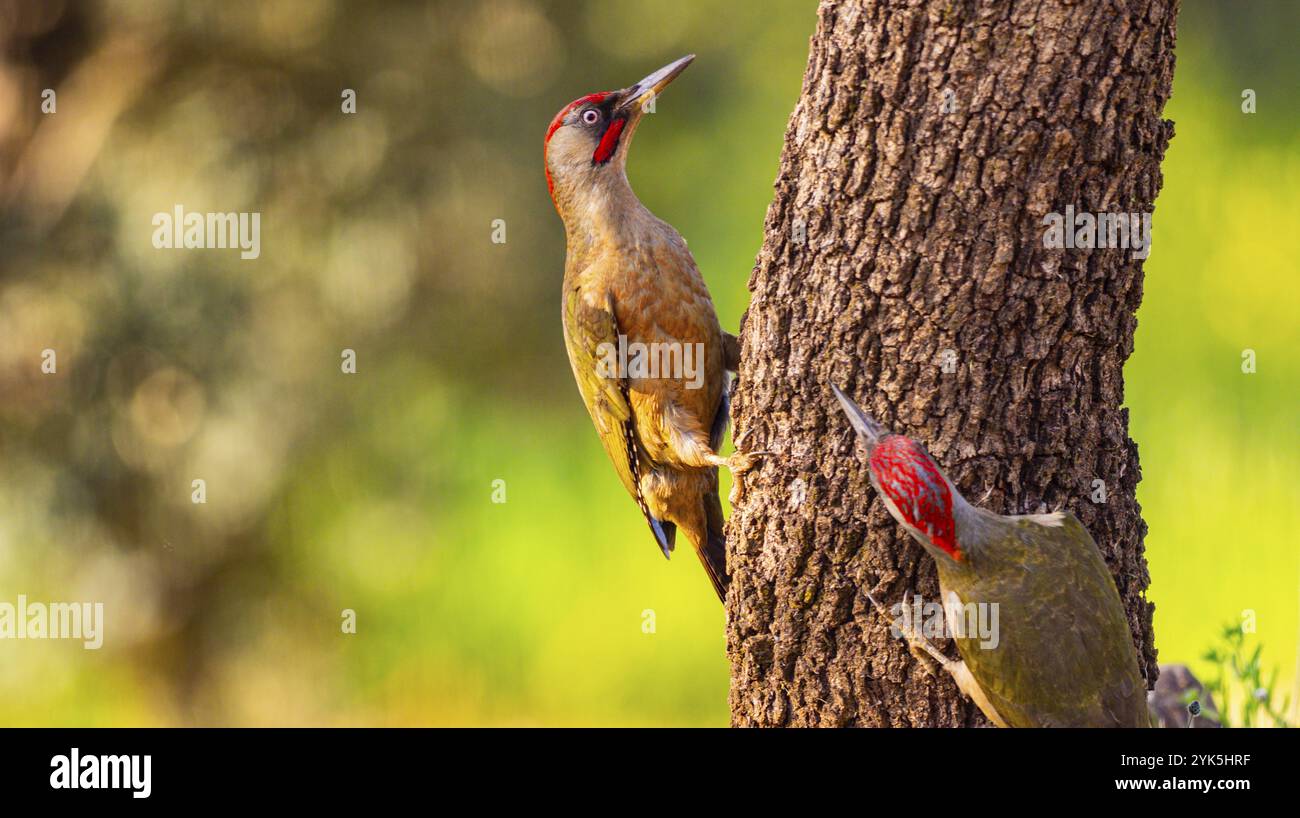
(634, 98)
(870, 431)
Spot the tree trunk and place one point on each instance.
(904, 260)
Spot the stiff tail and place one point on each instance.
(713, 550)
(712, 547)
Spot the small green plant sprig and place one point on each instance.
(1244, 696)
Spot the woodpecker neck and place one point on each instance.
(598, 207)
(970, 524)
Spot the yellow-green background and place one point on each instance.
(373, 491)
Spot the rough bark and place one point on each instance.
(898, 232)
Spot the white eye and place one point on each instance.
(590, 116)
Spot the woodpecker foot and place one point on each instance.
(918, 649)
(926, 655)
(739, 464)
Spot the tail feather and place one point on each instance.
(713, 551)
(665, 535)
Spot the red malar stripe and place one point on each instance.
(608, 142)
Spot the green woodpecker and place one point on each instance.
(643, 339)
(1062, 655)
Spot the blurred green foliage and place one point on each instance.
(1245, 695)
(1217, 446)
(373, 492)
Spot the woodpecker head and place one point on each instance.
(915, 490)
(586, 144)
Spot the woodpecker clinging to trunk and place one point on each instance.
(1062, 654)
(643, 339)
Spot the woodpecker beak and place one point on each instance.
(635, 98)
(870, 431)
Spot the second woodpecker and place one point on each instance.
(1063, 656)
(630, 284)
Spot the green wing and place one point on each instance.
(586, 329)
